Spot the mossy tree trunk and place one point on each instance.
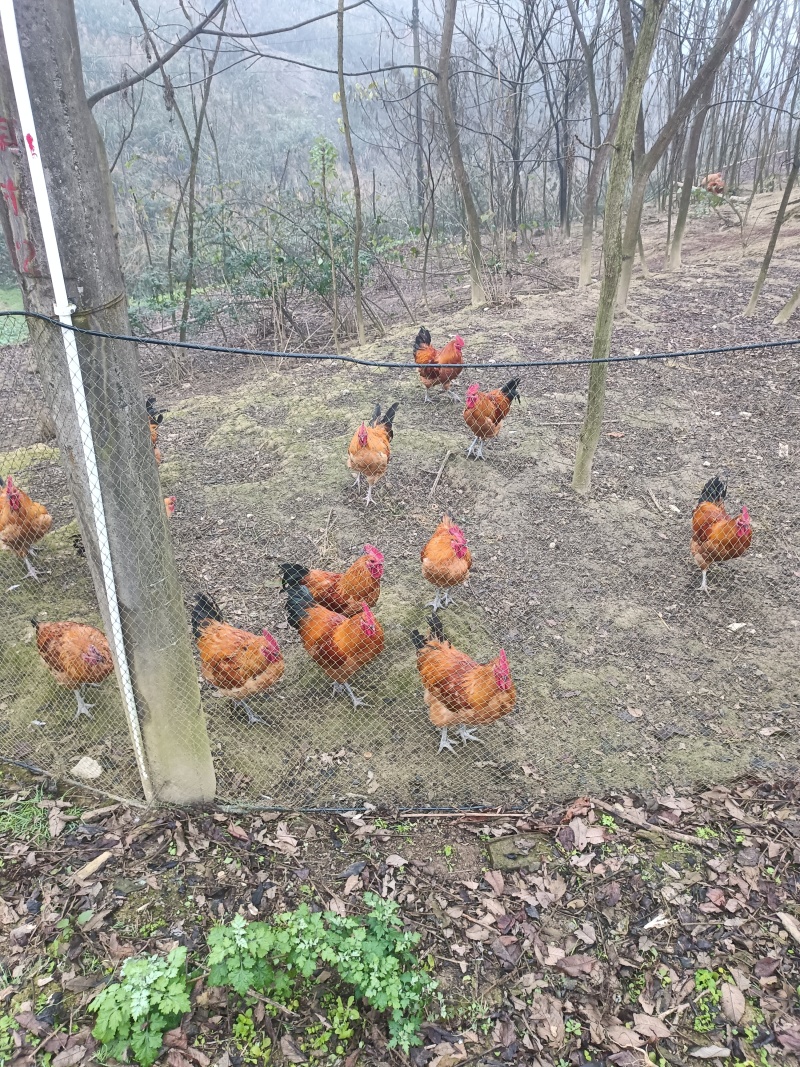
(154, 625)
(612, 243)
(454, 146)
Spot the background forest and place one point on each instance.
(234, 192)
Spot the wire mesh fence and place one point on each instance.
(571, 648)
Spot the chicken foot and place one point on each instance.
(441, 600)
(345, 688)
(465, 735)
(252, 718)
(32, 572)
(83, 707)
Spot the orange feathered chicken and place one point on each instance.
(22, 522)
(154, 418)
(341, 646)
(484, 412)
(438, 367)
(370, 448)
(716, 535)
(237, 663)
(446, 560)
(347, 592)
(714, 183)
(458, 691)
(75, 654)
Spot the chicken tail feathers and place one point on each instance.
(511, 390)
(386, 419)
(418, 640)
(298, 601)
(292, 574)
(714, 491)
(437, 630)
(422, 340)
(204, 610)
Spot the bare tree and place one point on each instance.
(454, 146)
(612, 243)
(348, 137)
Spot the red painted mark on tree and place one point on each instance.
(9, 191)
(29, 139)
(8, 137)
(27, 254)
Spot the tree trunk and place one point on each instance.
(191, 246)
(154, 625)
(788, 309)
(689, 174)
(590, 200)
(454, 145)
(734, 21)
(776, 229)
(612, 243)
(359, 225)
(418, 153)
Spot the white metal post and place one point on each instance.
(63, 309)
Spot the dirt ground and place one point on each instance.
(626, 674)
(661, 925)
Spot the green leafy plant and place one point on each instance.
(254, 1047)
(134, 1013)
(373, 955)
(707, 1003)
(8, 1024)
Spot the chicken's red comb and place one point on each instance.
(374, 553)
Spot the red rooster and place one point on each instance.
(440, 367)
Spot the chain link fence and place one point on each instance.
(616, 669)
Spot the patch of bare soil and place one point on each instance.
(663, 924)
(626, 673)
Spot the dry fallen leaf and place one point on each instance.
(650, 1027)
(495, 880)
(622, 1037)
(291, 1051)
(790, 925)
(732, 1002)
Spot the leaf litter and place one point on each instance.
(626, 930)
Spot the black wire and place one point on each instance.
(332, 358)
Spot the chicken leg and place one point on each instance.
(467, 735)
(32, 572)
(252, 718)
(441, 600)
(445, 741)
(83, 707)
(345, 688)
